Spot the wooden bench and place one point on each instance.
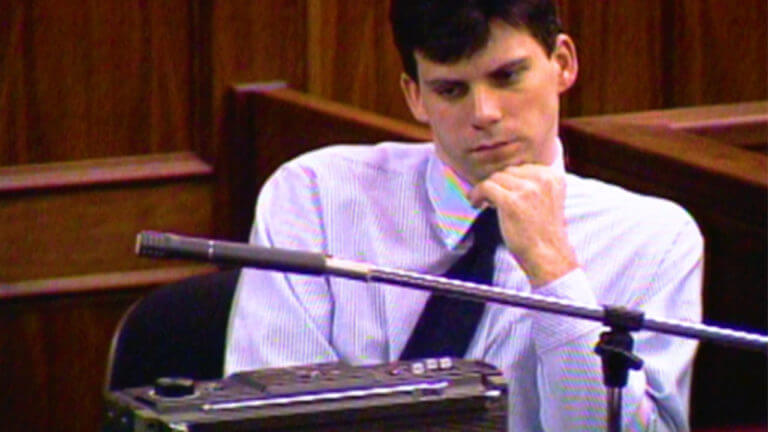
(68, 272)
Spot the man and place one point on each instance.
(486, 77)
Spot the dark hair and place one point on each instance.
(446, 31)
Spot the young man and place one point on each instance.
(486, 77)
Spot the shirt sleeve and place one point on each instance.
(656, 398)
(282, 319)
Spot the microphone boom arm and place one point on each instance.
(165, 245)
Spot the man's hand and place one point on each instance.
(530, 203)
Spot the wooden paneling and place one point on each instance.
(660, 54)
(633, 55)
(720, 55)
(68, 271)
(64, 219)
(258, 41)
(620, 47)
(252, 41)
(91, 79)
(56, 348)
(84, 231)
(55, 342)
(742, 125)
(352, 58)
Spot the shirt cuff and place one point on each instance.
(552, 330)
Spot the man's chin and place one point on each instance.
(502, 165)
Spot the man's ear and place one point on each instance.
(564, 56)
(412, 93)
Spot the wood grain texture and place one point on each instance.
(56, 348)
(96, 79)
(633, 55)
(253, 41)
(721, 54)
(55, 344)
(620, 47)
(70, 218)
(88, 79)
(742, 124)
(88, 172)
(660, 54)
(352, 58)
(93, 230)
(250, 42)
(93, 79)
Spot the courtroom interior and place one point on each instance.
(119, 117)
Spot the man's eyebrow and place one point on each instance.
(442, 81)
(510, 65)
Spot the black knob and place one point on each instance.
(174, 387)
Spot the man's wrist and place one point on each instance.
(547, 265)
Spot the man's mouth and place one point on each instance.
(484, 147)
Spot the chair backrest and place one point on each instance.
(178, 330)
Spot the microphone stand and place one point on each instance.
(615, 351)
(614, 347)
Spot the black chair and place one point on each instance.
(178, 330)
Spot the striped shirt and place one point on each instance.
(397, 205)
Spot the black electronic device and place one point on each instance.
(441, 394)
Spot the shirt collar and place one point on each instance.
(448, 193)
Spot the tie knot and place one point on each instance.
(486, 229)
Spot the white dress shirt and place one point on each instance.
(398, 205)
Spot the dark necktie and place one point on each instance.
(447, 325)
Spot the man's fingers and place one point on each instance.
(499, 190)
(519, 181)
(487, 193)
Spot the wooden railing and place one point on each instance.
(68, 272)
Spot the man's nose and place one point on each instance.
(486, 107)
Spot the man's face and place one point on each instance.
(498, 107)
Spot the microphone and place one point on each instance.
(165, 245)
(155, 244)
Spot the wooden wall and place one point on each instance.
(634, 55)
(82, 79)
(660, 53)
(85, 79)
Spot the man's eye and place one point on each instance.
(507, 77)
(450, 91)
